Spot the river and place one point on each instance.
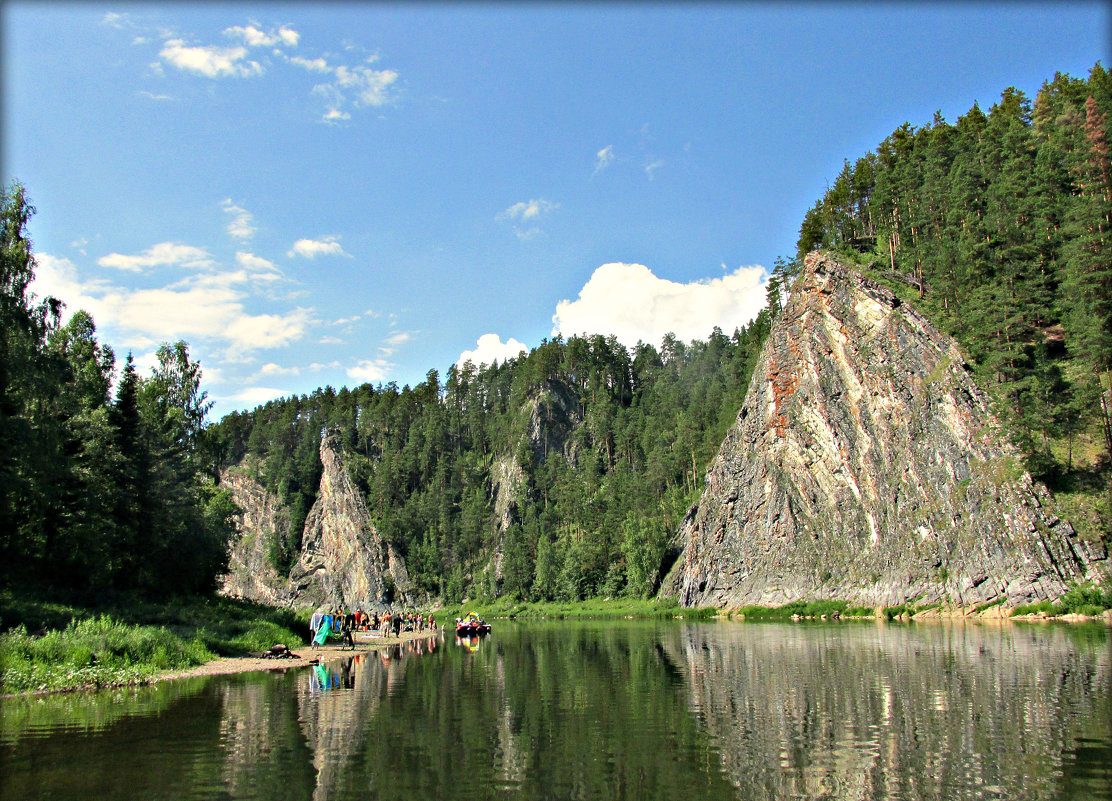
(604, 710)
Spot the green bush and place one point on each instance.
(1087, 599)
(893, 612)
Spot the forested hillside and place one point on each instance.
(993, 226)
(611, 446)
(997, 226)
(100, 487)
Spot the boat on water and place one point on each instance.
(472, 626)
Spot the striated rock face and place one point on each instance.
(344, 562)
(866, 465)
(265, 518)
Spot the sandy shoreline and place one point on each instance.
(307, 655)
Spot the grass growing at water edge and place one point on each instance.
(803, 609)
(129, 641)
(96, 652)
(1084, 599)
(597, 609)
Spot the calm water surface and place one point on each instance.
(638, 710)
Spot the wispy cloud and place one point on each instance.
(604, 158)
(249, 261)
(254, 37)
(527, 210)
(524, 215)
(652, 167)
(272, 369)
(311, 64)
(164, 254)
(360, 84)
(311, 248)
(400, 338)
(115, 20)
(255, 49)
(242, 224)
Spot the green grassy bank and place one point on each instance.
(51, 644)
(599, 609)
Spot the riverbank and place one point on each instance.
(365, 642)
(1081, 604)
(52, 644)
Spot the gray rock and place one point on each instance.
(866, 465)
(344, 562)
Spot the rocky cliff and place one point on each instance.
(866, 465)
(550, 418)
(344, 562)
(264, 519)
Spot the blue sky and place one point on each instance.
(316, 194)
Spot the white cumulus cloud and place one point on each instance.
(208, 307)
(311, 248)
(490, 349)
(633, 304)
(209, 60)
(262, 331)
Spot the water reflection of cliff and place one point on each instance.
(336, 704)
(883, 712)
(307, 739)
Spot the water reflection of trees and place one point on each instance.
(567, 711)
(899, 712)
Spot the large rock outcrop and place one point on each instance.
(344, 561)
(264, 519)
(866, 465)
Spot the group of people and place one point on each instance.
(325, 624)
